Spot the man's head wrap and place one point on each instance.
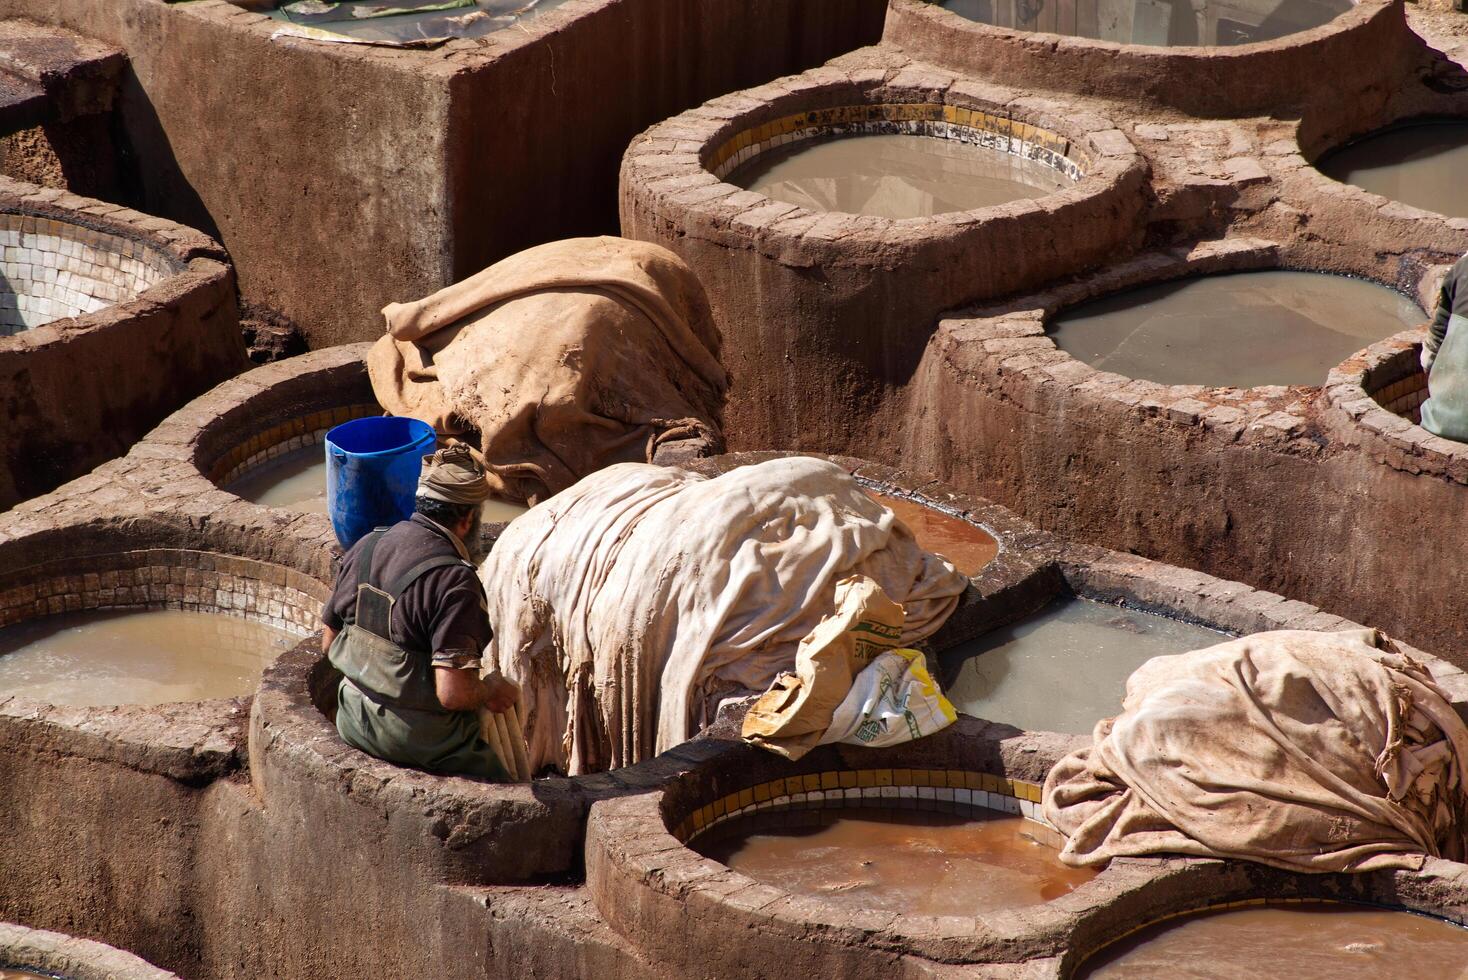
(454, 476)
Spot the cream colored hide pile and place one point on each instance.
(627, 606)
(559, 360)
(1308, 751)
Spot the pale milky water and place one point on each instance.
(136, 657)
(297, 481)
(1163, 23)
(1065, 668)
(1422, 165)
(1242, 330)
(894, 175)
(1309, 941)
(902, 860)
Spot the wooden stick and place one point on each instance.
(502, 728)
(520, 748)
(491, 734)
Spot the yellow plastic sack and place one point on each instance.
(791, 717)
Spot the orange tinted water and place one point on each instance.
(903, 860)
(967, 546)
(1310, 941)
(136, 657)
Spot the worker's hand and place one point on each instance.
(500, 692)
(1428, 356)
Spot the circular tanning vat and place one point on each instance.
(1212, 58)
(1416, 162)
(1301, 939)
(102, 615)
(825, 311)
(1235, 330)
(92, 290)
(1227, 919)
(1243, 483)
(830, 864)
(261, 436)
(1374, 400)
(37, 953)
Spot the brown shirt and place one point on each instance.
(443, 613)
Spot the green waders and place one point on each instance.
(387, 704)
(1445, 413)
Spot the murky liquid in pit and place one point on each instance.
(23, 975)
(297, 481)
(968, 547)
(903, 860)
(1242, 329)
(153, 656)
(894, 175)
(1164, 23)
(1421, 165)
(1309, 941)
(1065, 668)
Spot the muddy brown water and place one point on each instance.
(1163, 23)
(24, 975)
(136, 657)
(894, 175)
(967, 546)
(1421, 164)
(1241, 330)
(1065, 668)
(297, 481)
(1308, 941)
(901, 860)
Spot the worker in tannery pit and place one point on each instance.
(406, 625)
(1445, 359)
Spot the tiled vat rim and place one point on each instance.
(1375, 399)
(164, 578)
(283, 439)
(942, 790)
(1244, 903)
(50, 269)
(992, 130)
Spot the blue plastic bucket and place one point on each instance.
(372, 468)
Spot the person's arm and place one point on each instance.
(461, 689)
(328, 636)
